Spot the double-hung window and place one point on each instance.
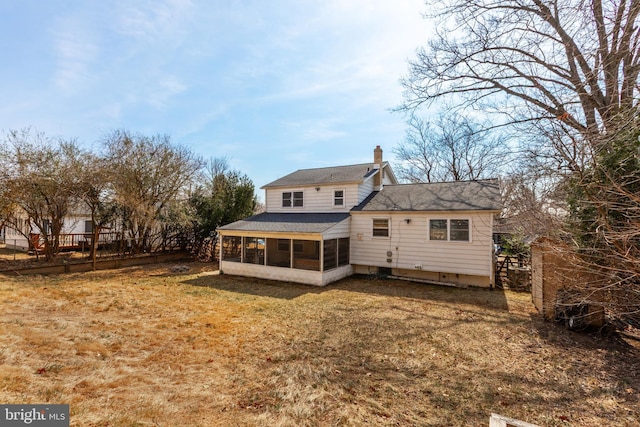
(438, 229)
(381, 227)
(453, 230)
(459, 230)
(338, 198)
(292, 198)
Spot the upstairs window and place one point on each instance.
(338, 198)
(381, 228)
(295, 199)
(454, 230)
(286, 200)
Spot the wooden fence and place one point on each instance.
(101, 264)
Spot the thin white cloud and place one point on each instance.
(337, 47)
(76, 51)
(151, 19)
(316, 130)
(164, 88)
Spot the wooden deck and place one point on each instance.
(79, 241)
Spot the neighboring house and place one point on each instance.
(75, 234)
(321, 225)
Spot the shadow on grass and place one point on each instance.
(486, 298)
(620, 353)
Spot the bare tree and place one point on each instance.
(567, 73)
(95, 189)
(454, 148)
(148, 174)
(7, 204)
(533, 204)
(604, 224)
(569, 65)
(41, 182)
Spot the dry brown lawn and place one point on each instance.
(12, 255)
(146, 346)
(12, 258)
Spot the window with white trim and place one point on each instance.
(453, 230)
(292, 198)
(338, 198)
(459, 230)
(286, 199)
(380, 227)
(438, 229)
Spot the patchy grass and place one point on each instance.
(16, 259)
(145, 346)
(8, 255)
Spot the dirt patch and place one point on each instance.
(154, 346)
(15, 259)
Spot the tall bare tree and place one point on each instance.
(604, 222)
(95, 190)
(571, 65)
(453, 148)
(567, 73)
(148, 174)
(41, 179)
(533, 204)
(7, 204)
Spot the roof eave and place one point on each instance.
(425, 210)
(316, 184)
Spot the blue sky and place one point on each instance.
(274, 86)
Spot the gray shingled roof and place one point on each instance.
(330, 175)
(287, 222)
(439, 196)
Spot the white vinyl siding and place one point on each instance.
(410, 245)
(320, 200)
(364, 190)
(386, 177)
(339, 230)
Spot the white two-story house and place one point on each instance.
(323, 224)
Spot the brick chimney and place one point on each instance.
(377, 156)
(377, 164)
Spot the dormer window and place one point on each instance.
(338, 198)
(292, 198)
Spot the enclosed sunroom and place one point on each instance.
(309, 248)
